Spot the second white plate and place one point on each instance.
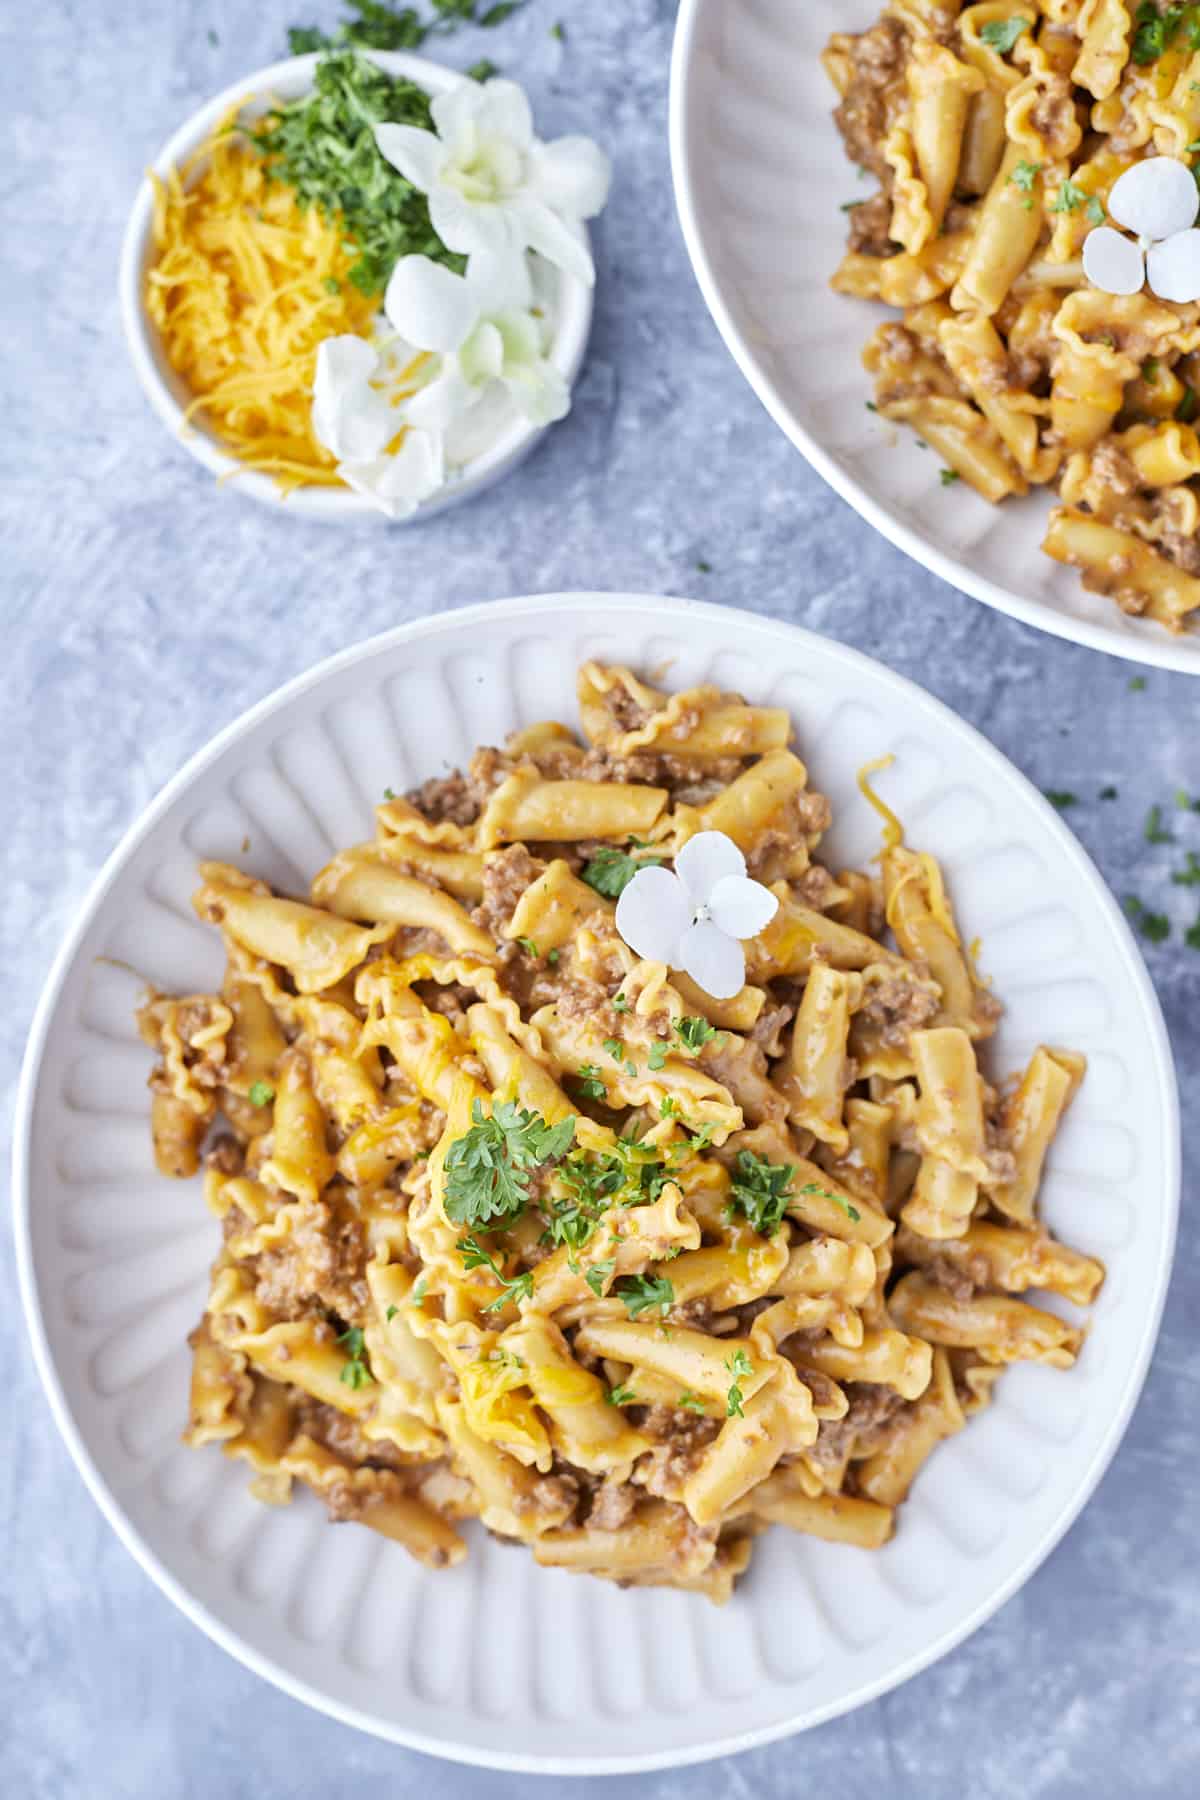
(760, 176)
(500, 1662)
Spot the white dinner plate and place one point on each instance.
(760, 181)
(586, 1678)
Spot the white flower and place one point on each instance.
(356, 420)
(693, 919)
(1158, 199)
(492, 185)
(481, 326)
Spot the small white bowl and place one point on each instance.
(169, 396)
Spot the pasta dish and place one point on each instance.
(520, 1226)
(997, 133)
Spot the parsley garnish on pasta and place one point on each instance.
(488, 1169)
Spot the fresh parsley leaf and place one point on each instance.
(658, 1056)
(1191, 936)
(619, 1003)
(1062, 798)
(870, 406)
(213, 39)
(948, 477)
(1154, 926)
(1108, 793)
(620, 1396)
(667, 1108)
(483, 70)
(691, 1401)
(1150, 369)
(1023, 177)
(1137, 684)
(417, 1297)
(1095, 210)
(391, 1312)
(1155, 32)
(332, 285)
(474, 1256)
(598, 1274)
(646, 1293)
(356, 1370)
(556, 31)
(851, 1212)
(322, 145)
(1069, 198)
(1154, 831)
(487, 1169)
(552, 957)
(694, 1032)
(1189, 876)
(610, 871)
(615, 1048)
(590, 1083)
(496, 15)
(1185, 412)
(704, 568)
(761, 1190)
(1002, 34)
(630, 1068)
(739, 1366)
(1183, 801)
(527, 944)
(388, 794)
(261, 1093)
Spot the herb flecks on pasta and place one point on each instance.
(997, 135)
(521, 1227)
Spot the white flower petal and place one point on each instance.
(503, 281)
(444, 401)
(539, 390)
(542, 230)
(415, 153)
(653, 914)
(430, 305)
(1155, 198)
(1112, 262)
(398, 484)
(349, 417)
(467, 226)
(741, 907)
(714, 960)
(482, 356)
(704, 860)
(492, 415)
(572, 175)
(1173, 267)
(490, 109)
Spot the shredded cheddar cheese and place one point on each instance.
(893, 831)
(244, 287)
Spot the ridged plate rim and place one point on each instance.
(735, 627)
(1161, 650)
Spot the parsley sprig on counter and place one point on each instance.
(323, 146)
(378, 26)
(488, 1168)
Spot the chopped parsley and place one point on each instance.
(528, 946)
(379, 26)
(619, 1003)
(1002, 34)
(474, 1256)
(388, 794)
(1154, 831)
(332, 285)
(598, 1274)
(487, 1170)
(483, 70)
(1137, 684)
(261, 1093)
(1108, 793)
(1023, 177)
(691, 1401)
(1190, 875)
(611, 871)
(1155, 926)
(615, 1049)
(1185, 412)
(590, 1083)
(871, 406)
(552, 957)
(620, 1396)
(417, 1297)
(694, 1032)
(322, 145)
(948, 477)
(824, 1193)
(703, 568)
(356, 1370)
(1150, 369)
(1069, 198)
(1184, 801)
(761, 1190)
(1062, 798)
(391, 1312)
(557, 32)
(1191, 936)
(667, 1108)
(646, 1293)
(739, 1366)
(1095, 211)
(658, 1056)
(1155, 32)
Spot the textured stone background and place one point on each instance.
(143, 609)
